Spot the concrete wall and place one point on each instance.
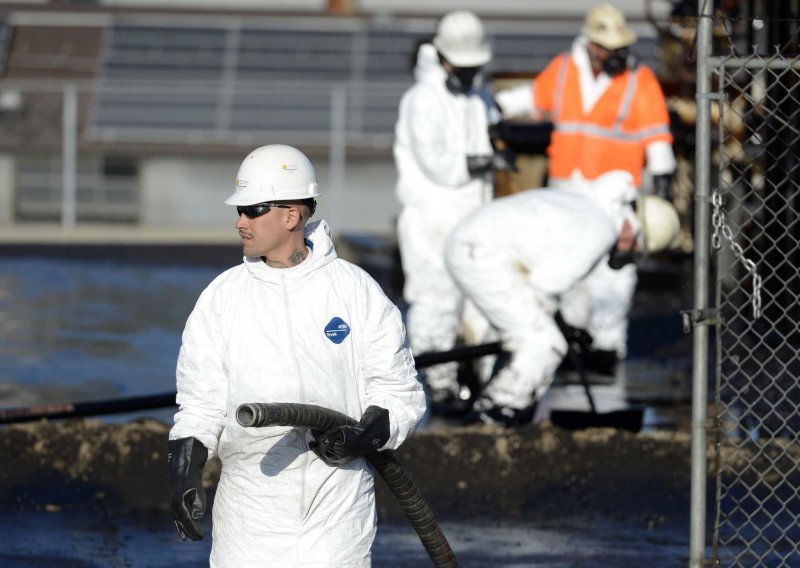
(188, 193)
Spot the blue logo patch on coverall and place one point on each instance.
(337, 330)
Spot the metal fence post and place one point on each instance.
(701, 280)
(69, 157)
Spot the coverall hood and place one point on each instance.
(428, 68)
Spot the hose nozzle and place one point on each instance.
(253, 414)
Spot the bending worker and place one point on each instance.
(608, 113)
(521, 256)
(444, 159)
(292, 323)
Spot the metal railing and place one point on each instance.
(204, 86)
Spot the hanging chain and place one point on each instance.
(721, 229)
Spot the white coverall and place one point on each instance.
(322, 333)
(515, 258)
(610, 292)
(435, 132)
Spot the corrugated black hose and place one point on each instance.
(385, 463)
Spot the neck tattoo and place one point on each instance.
(294, 259)
(297, 257)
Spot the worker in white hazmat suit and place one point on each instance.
(292, 323)
(444, 160)
(520, 256)
(609, 113)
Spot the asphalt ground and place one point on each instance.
(75, 539)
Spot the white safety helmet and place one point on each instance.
(461, 39)
(605, 25)
(659, 221)
(272, 173)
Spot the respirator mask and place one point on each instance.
(462, 80)
(617, 62)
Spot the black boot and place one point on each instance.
(486, 412)
(447, 404)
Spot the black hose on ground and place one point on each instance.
(165, 400)
(401, 485)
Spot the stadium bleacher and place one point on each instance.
(219, 79)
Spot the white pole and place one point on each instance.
(338, 155)
(69, 157)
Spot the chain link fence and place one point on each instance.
(755, 242)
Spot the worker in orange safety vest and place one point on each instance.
(609, 114)
(607, 110)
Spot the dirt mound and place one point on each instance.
(534, 472)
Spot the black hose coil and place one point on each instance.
(408, 495)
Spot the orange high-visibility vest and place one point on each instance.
(613, 134)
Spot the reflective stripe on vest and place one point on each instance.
(615, 132)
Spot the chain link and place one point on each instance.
(722, 229)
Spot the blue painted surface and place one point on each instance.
(75, 330)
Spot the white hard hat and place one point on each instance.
(274, 172)
(660, 223)
(606, 26)
(461, 39)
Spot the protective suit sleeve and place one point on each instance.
(390, 378)
(201, 380)
(516, 101)
(660, 158)
(442, 160)
(545, 87)
(594, 233)
(652, 116)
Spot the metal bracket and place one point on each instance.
(693, 318)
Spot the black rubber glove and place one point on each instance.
(500, 161)
(187, 457)
(504, 161)
(341, 444)
(479, 165)
(573, 334)
(662, 186)
(617, 258)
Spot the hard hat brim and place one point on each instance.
(242, 198)
(474, 58)
(252, 196)
(612, 41)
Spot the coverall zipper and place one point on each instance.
(300, 395)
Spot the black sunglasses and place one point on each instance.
(259, 209)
